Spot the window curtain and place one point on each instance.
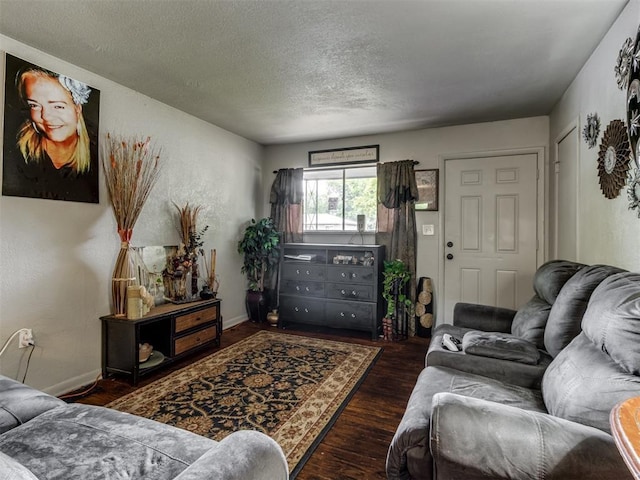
(396, 230)
(287, 193)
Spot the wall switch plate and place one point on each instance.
(428, 230)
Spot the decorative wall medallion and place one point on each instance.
(591, 130)
(633, 103)
(623, 64)
(633, 191)
(613, 159)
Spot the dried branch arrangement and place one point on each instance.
(188, 222)
(131, 168)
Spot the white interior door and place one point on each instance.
(566, 196)
(490, 232)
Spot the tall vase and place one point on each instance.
(124, 274)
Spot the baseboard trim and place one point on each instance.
(73, 383)
(234, 321)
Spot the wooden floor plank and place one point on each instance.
(356, 446)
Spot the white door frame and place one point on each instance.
(556, 194)
(542, 213)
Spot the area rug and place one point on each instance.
(290, 387)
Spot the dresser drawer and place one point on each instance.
(302, 271)
(349, 274)
(193, 340)
(301, 310)
(194, 319)
(349, 292)
(352, 315)
(297, 287)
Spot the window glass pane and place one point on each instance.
(334, 199)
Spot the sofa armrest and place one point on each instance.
(472, 438)
(20, 403)
(243, 455)
(483, 317)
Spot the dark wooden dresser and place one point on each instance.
(332, 285)
(173, 330)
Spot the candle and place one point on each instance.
(213, 266)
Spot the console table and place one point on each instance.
(174, 331)
(332, 285)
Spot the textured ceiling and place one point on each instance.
(278, 71)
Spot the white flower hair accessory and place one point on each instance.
(79, 91)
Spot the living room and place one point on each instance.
(57, 257)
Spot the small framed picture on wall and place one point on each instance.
(427, 181)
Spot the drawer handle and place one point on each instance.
(297, 271)
(344, 275)
(308, 272)
(306, 310)
(297, 288)
(296, 309)
(342, 314)
(354, 275)
(343, 292)
(307, 289)
(353, 315)
(354, 293)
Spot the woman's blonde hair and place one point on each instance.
(30, 141)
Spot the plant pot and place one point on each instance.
(257, 305)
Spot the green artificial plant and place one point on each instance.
(396, 276)
(259, 245)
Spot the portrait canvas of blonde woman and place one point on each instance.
(50, 143)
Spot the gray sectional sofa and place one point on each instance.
(463, 422)
(44, 438)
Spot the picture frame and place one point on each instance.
(427, 182)
(66, 114)
(342, 156)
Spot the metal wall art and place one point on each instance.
(613, 159)
(622, 65)
(591, 130)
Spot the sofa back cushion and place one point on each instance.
(599, 368)
(612, 320)
(530, 320)
(565, 317)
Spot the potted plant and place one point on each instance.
(259, 245)
(396, 276)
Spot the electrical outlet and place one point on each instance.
(25, 339)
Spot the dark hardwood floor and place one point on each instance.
(356, 446)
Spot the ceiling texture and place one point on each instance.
(281, 71)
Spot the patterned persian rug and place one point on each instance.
(290, 387)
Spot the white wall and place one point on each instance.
(426, 147)
(608, 231)
(56, 258)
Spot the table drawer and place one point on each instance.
(350, 274)
(349, 292)
(352, 315)
(193, 340)
(302, 271)
(194, 319)
(297, 287)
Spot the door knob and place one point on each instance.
(449, 256)
(449, 244)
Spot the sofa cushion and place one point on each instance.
(530, 321)
(571, 303)
(551, 277)
(612, 320)
(20, 403)
(12, 470)
(500, 345)
(112, 445)
(583, 384)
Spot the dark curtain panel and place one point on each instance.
(287, 193)
(397, 194)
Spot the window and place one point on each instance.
(334, 199)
